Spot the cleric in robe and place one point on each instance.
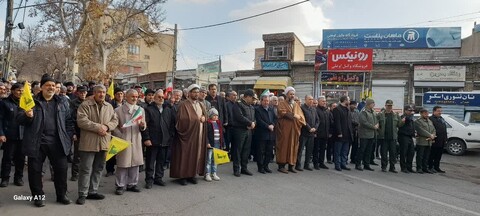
(189, 147)
(288, 129)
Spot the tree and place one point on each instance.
(94, 29)
(31, 36)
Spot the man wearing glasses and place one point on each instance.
(406, 133)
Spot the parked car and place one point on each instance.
(461, 135)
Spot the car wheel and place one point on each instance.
(456, 147)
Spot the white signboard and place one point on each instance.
(440, 73)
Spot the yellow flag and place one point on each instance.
(116, 145)
(220, 156)
(26, 100)
(111, 90)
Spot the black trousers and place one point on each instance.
(389, 153)
(58, 159)
(264, 153)
(307, 143)
(330, 150)
(435, 157)
(110, 164)
(364, 152)
(241, 141)
(76, 158)
(319, 147)
(12, 151)
(355, 146)
(407, 151)
(154, 160)
(227, 139)
(375, 150)
(423, 153)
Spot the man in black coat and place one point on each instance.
(11, 134)
(157, 138)
(323, 134)
(218, 102)
(343, 133)
(242, 126)
(266, 120)
(231, 99)
(307, 135)
(74, 104)
(50, 132)
(440, 140)
(406, 133)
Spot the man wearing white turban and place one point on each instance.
(289, 125)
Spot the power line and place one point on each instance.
(241, 19)
(440, 19)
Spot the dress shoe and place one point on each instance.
(345, 168)
(81, 200)
(432, 170)
(317, 167)
(268, 170)
(182, 182)
(411, 170)
(405, 171)
(109, 174)
(192, 180)
(338, 169)
(4, 183)
(18, 182)
(74, 178)
(427, 171)
(120, 190)
(307, 168)
(159, 182)
(246, 172)
(359, 168)
(39, 203)
(283, 170)
(384, 169)
(149, 185)
(96, 196)
(393, 171)
(368, 168)
(420, 171)
(439, 170)
(298, 169)
(323, 166)
(64, 200)
(290, 169)
(262, 171)
(133, 189)
(373, 164)
(237, 174)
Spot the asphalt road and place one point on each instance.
(325, 192)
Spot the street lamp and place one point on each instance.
(9, 26)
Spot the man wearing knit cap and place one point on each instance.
(289, 125)
(189, 145)
(366, 131)
(388, 135)
(50, 128)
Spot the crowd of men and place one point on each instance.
(177, 131)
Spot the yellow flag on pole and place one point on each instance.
(116, 145)
(111, 90)
(26, 100)
(220, 156)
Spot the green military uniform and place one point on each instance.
(388, 136)
(425, 129)
(366, 133)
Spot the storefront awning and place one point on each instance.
(276, 83)
(246, 80)
(224, 80)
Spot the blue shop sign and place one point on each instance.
(400, 38)
(275, 65)
(452, 98)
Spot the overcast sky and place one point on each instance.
(235, 43)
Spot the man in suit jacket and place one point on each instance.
(343, 133)
(308, 134)
(322, 134)
(266, 120)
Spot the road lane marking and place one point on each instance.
(409, 194)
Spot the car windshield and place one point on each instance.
(459, 121)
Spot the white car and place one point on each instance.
(461, 135)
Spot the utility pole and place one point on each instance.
(174, 68)
(8, 39)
